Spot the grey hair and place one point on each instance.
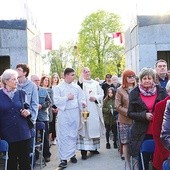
(168, 86)
(158, 61)
(7, 74)
(147, 72)
(114, 76)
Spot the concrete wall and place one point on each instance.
(14, 44)
(15, 41)
(144, 39)
(34, 50)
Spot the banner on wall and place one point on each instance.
(48, 41)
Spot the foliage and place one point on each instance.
(62, 58)
(54, 59)
(96, 49)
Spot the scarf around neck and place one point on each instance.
(10, 94)
(148, 92)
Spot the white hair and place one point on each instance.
(7, 74)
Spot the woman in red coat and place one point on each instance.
(160, 153)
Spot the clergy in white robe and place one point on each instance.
(69, 99)
(91, 130)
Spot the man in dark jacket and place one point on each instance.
(162, 73)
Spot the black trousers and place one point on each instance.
(112, 128)
(46, 152)
(52, 126)
(19, 155)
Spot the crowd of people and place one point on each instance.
(133, 110)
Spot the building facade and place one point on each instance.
(146, 40)
(19, 43)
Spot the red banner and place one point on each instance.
(118, 35)
(48, 41)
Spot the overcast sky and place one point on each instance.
(64, 17)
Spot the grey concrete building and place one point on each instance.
(146, 40)
(19, 43)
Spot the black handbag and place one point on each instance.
(26, 106)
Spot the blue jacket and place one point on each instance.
(13, 127)
(32, 97)
(45, 101)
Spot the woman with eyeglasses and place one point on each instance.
(142, 102)
(121, 104)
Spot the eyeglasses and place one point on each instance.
(86, 71)
(108, 77)
(132, 76)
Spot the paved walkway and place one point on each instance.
(108, 159)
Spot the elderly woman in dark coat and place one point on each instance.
(13, 123)
(142, 102)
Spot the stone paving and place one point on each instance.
(108, 159)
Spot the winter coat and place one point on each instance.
(164, 81)
(45, 101)
(109, 118)
(13, 126)
(137, 111)
(121, 104)
(160, 153)
(165, 132)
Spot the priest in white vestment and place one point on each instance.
(69, 98)
(92, 129)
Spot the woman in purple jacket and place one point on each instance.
(13, 122)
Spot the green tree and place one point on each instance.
(96, 49)
(54, 59)
(65, 56)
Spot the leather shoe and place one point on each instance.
(95, 152)
(115, 145)
(47, 159)
(84, 157)
(107, 145)
(84, 154)
(122, 158)
(63, 164)
(73, 159)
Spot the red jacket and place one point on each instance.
(160, 153)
